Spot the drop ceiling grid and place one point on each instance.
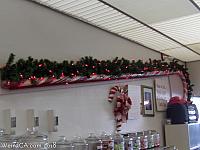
(185, 30)
(182, 53)
(197, 2)
(103, 16)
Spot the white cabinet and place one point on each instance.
(183, 136)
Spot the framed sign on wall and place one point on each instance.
(162, 92)
(147, 100)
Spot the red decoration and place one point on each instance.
(123, 104)
(49, 81)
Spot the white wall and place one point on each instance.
(194, 76)
(31, 30)
(28, 29)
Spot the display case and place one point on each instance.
(183, 136)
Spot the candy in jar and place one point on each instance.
(118, 142)
(136, 143)
(156, 139)
(107, 142)
(150, 140)
(144, 142)
(128, 143)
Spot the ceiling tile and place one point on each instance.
(195, 47)
(152, 11)
(185, 30)
(182, 54)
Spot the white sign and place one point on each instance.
(163, 92)
(134, 92)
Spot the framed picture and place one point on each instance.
(162, 93)
(147, 101)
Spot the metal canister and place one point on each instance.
(107, 142)
(118, 142)
(94, 143)
(128, 143)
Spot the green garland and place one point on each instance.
(86, 66)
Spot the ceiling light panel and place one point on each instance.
(182, 54)
(185, 30)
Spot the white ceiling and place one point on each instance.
(172, 26)
(153, 11)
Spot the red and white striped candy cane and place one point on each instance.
(113, 91)
(123, 104)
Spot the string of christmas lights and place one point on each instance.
(33, 72)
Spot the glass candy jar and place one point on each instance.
(94, 143)
(118, 142)
(150, 140)
(107, 142)
(136, 140)
(33, 140)
(156, 139)
(143, 140)
(7, 141)
(128, 143)
(150, 137)
(79, 144)
(63, 144)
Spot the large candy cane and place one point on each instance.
(123, 104)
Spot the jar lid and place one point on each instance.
(133, 134)
(128, 138)
(63, 141)
(92, 138)
(79, 141)
(117, 135)
(105, 136)
(140, 133)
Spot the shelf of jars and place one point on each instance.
(35, 140)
